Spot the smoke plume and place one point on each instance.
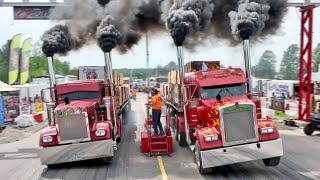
(186, 17)
(190, 22)
(103, 2)
(81, 20)
(108, 35)
(57, 40)
(148, 16)
(249, 19)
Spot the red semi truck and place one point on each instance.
(215, 116)
(85, 120)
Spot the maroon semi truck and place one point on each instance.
(215, 113)
(84, 120)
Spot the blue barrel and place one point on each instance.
(1, 111)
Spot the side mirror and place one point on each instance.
(45, 95)
(218, 97)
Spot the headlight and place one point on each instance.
(47, 139)
(210, 138)
(267, 130)
(100, 132)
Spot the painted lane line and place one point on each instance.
(162, 169)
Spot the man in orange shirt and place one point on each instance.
(156, 112)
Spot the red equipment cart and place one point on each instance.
(155, 145)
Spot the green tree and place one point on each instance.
(266, 67)
(316, 58)
(39, 64)
(39, 67)
(290, 63)
(4, 62)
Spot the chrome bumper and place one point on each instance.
(241, 153)
(76, 152)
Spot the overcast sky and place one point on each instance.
(162, 50)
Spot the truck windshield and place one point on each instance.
(81, 95)
(224, 91)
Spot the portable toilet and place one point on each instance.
(1, 111)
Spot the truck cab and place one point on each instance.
(222, 123)
(82, 127)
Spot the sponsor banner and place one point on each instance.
(292, 107)
(25, 109)
(91, 72)
(31, 1)
(31, 13)
(24, 61)
(14, 59)
(11, 105)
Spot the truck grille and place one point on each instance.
(74, 127)
(238, 123)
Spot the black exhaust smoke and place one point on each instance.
(108, 35)
(187, 17)
(57, 40)
(190, 22)
(249, 19)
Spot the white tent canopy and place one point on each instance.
(5, 87)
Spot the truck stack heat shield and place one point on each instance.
(180, 65)
(108, 64)
(247, 62)
(52, 80)
(181, 73)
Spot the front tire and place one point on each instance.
(198, 160)
(309, 129)
(271, 161)
(180, 137)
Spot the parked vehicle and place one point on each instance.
(84, 119)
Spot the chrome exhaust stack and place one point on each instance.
(183, 92)
(108, 65)
(180, 65)
(247, 62)
(53, 83)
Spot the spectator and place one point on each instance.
(282, 101)
(273, 100)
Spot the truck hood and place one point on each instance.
(225, 101)
(85, 103)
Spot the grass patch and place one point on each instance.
(282, 115)
(282, 126)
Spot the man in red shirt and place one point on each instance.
(156, 112)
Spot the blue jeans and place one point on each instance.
(156, 115)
